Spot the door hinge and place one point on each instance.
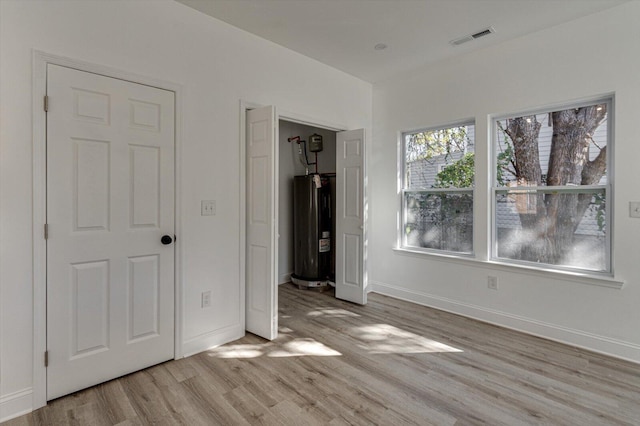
(46, 358)
(46, 231)
(46, 103)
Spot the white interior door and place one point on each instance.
(110, 200)
(261, 228)
(350, 217)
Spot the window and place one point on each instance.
(437, 194)
(551, 195)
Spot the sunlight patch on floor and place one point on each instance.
(284, 346)
(303, 347)
(332, 313)
(237, 351)
(387, 339)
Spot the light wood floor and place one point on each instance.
(387, 363)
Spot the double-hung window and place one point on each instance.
(552, 188)
(437, 193)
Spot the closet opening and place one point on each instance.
(306, 213)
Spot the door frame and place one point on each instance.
(280, 115)
(40, 60)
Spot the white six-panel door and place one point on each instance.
(350, 217)
(110, 199)
(261, 253)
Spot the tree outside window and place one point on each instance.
(551, 188)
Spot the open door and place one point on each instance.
(350, 217)
(261, 248)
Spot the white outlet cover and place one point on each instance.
(492, 282)
(634, 208)
(208, 208)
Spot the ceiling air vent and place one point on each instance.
(473, 36)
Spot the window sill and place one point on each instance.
(469, 260)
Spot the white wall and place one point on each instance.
(218, 66)
(591, 56)
(290, 166)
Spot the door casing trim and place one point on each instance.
(40, 60)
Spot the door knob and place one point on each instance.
(166, 240)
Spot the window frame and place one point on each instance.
(402, 190)
(608, 188)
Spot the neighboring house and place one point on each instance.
(422, 173)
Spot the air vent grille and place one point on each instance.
(482, 33)
(474, 36)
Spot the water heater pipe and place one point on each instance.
(302, 149)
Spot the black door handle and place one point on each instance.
(166, 240)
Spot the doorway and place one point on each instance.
(291, 164)
(260, 154)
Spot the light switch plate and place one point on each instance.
(634, 209)
(206, 299)
(208, 208)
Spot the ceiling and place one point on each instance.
(343, 33)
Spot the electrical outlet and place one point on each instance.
(206, 299)
(634, 208)
(492, 282)
(208, 208)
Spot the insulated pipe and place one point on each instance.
(305, 164)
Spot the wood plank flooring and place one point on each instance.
(387, 363)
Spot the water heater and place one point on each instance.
(312, 230)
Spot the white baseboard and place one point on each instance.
(212, 339)
(16, 404)
(285, 278)
(601, 344)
